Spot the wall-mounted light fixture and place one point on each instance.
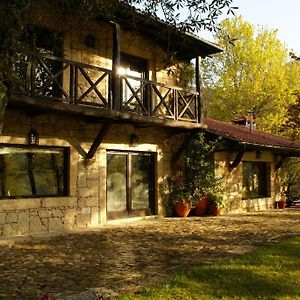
(133, 140)
(33, 137)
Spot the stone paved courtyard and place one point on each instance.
(94, 264)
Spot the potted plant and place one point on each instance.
(192, 185)
(216, 202)
(200, 172)
(176, 195)
(281, 204)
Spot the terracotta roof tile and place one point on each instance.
(243, 135)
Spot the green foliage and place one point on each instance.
(186, 75)
(290, 174)
(252, 74)
(198, 14)
(197, 178)
(268, 273)
(199, 168)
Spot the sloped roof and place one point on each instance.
(186, 45)
(242, 135)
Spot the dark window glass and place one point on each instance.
(116, 182)
(32, 172)
(256, 180)
(130, 184)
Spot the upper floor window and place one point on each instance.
(33, 171)
(256, 180)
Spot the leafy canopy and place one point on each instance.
(252, 74)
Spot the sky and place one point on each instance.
(272, 14)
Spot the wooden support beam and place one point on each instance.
(199, 88)
(116, 60)
(184, 145)
(238, 158)
(98, 140)
(280, 161)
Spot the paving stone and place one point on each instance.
(101, 263)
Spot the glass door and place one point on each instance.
(130, 180)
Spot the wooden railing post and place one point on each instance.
(116, 62)
(199, 88)
(72, 84)
(176, 104)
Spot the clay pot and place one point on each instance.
(182, 209)
(214, 210)
(281, 204)
(202, 207)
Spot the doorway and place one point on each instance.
(130, 184)
(134, 72)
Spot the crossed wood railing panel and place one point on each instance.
(58, 79)
(158, 100)
(64, 80)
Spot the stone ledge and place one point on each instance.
(59, 202)
(20, 204)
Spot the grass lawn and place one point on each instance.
(271, 272)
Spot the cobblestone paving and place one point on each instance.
(98, 263)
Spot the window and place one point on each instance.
(256, 180)
(33, 171)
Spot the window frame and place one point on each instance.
(130, 212)
(66, 161)
(264, 170)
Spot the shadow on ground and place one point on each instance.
(128, 257)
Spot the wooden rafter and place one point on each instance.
(238, 158)
(183, 146)
(98, 140)
(280, 161)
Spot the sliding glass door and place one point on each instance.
(130, 181)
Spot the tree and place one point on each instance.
(251, 75)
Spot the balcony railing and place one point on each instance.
(52, 78)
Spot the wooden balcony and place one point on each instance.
(51, 83)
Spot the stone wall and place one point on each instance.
(86, 204)
(232, 181)
(100, 55)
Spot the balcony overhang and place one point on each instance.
(35, 105)
(184, 45)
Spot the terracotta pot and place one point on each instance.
(202, 207)
(281, 204)
(182, 209)
(214, 210)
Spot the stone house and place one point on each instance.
(98, 118)
(87, 131)
(248, 162)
